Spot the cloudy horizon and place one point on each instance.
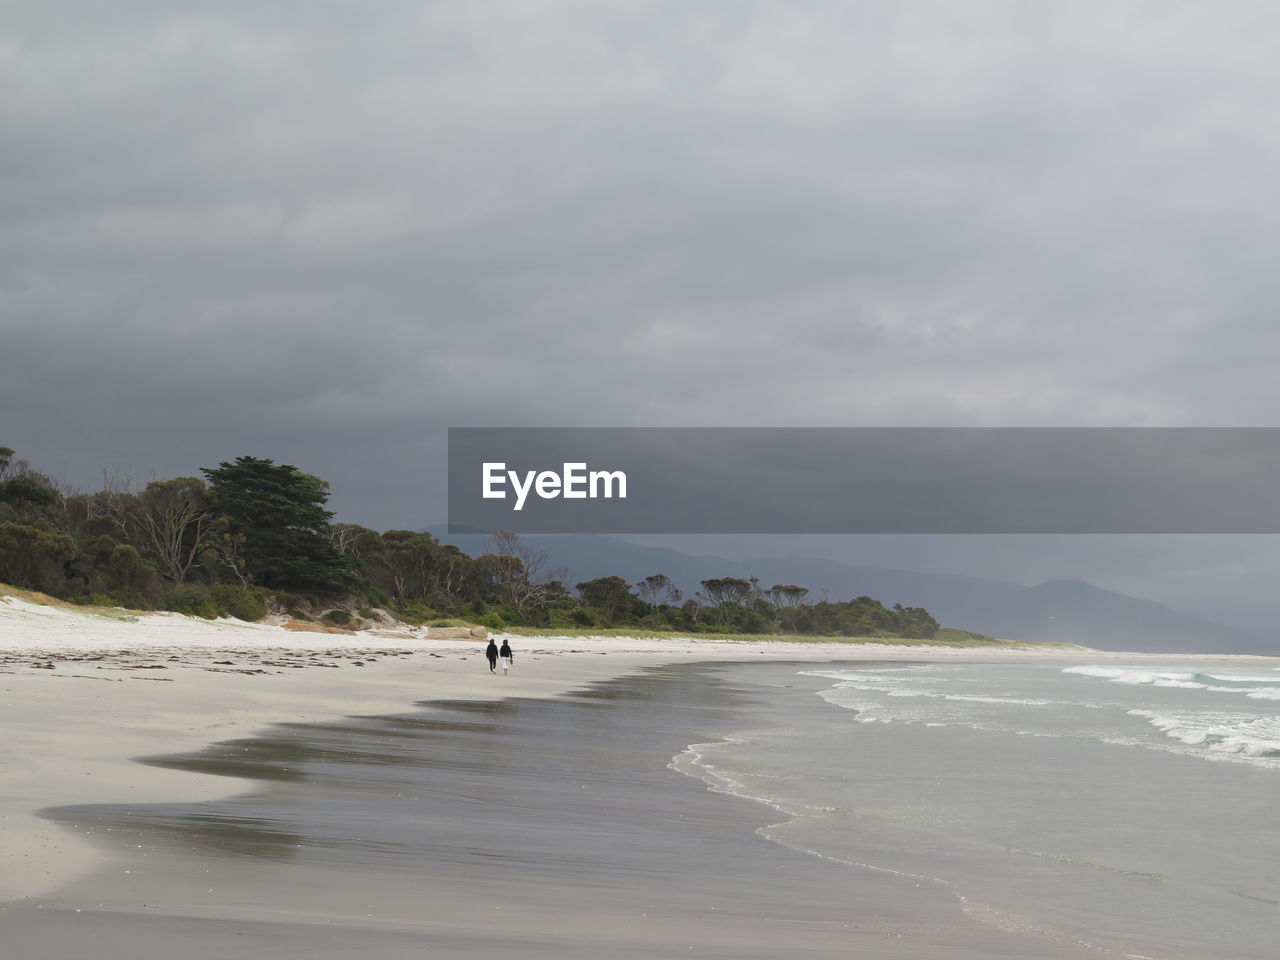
(326, 234)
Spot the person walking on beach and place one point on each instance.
(491, 652)
(507, 657)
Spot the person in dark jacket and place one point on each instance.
(491, 652)
(507, 657)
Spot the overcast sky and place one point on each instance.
(325, 232)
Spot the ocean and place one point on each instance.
(1127, 808)
(951, 811)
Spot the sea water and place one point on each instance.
(1129, 808)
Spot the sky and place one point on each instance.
(324, 233)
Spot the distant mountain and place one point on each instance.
(1059, 611)
(1078, 612)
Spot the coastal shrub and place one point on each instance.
(416, 611)
(558, 618)
(368, 614)
(339, 618)
(191, 599)
(409, 611)
(582, 618)
(243, 603)
(125, 563)
(31, 495)
(954, 635)
(34, 557)
(491, 620)
(726, 628)
(299, 614)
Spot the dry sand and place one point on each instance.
(86, 692)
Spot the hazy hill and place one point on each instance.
(1076, 611)
(1070, 611)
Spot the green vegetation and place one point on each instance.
(276, 527)
(943, 639)
(254, 536)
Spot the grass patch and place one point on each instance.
(638, 632)
(945, 637)
(94, 610)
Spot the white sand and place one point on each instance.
(122, 687)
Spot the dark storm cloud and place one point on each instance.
(325, 233)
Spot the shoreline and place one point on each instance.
(85, 695)
(540, 828)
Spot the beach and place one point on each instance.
(538, 814)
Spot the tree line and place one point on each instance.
(251, 535)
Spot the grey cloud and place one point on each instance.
(326, 233)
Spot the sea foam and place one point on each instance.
(1223, 733)
(1134, 675)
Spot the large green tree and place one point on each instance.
(279, 511)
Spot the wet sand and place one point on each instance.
(521, 828)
